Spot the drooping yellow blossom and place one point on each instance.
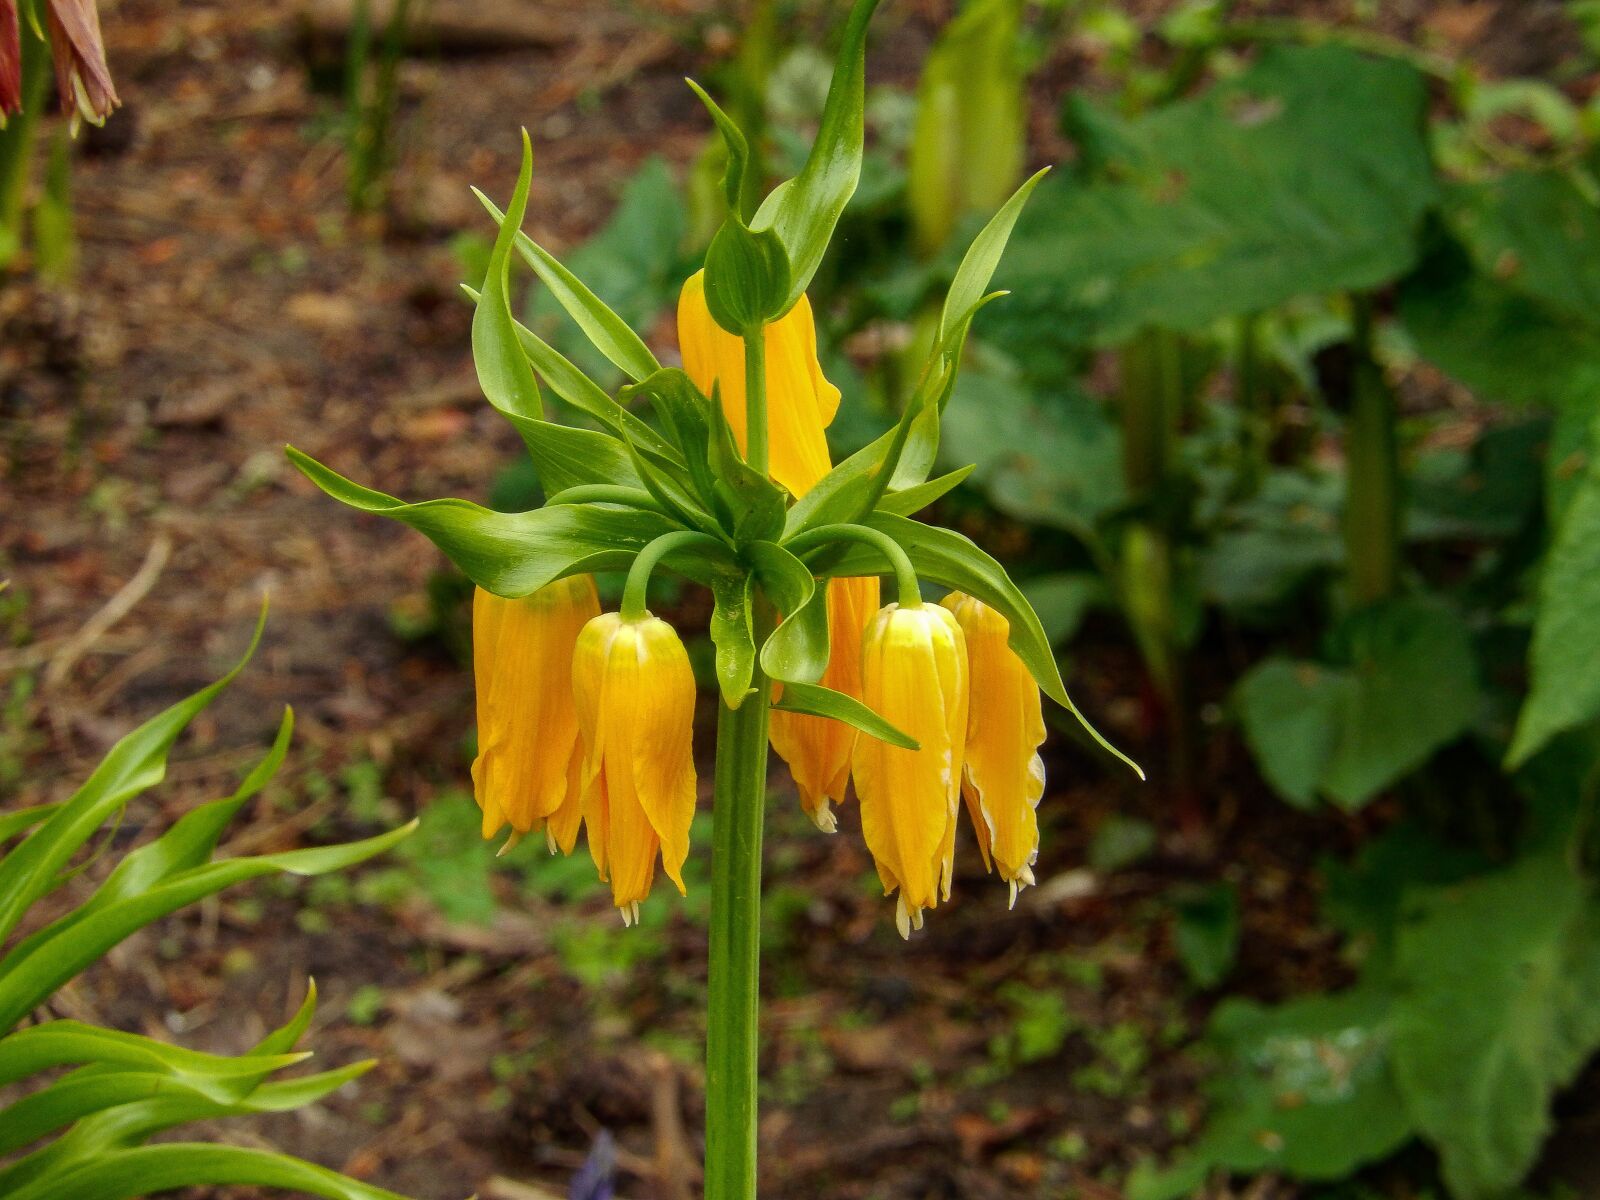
(818, 749)
(526, 772)
(800, 402)
(635, 692)
(1003, 778)
(914, 675)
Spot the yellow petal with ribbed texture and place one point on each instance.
(914, 675)
(527, 723)
(817, 749)
(635, 702)
(1004, 774)
(801, 403)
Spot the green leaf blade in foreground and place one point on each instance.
(509, 554)
(146, 1170)
(814, 700)
(138, 761)
(946, 557)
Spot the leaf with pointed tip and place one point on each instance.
(912, 500)
(812, 699)
(797, 650)
(503, 370)
(732, 634)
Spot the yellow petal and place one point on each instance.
(817, 749)
(801, 403)
(663, 740)
(527, 724)
(914, 675)
(1004, 774)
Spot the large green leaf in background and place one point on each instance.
(1308, 1092)
(1306, 174)
(1500, 1011)
(1408, 683)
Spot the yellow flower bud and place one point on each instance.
(635, 692)
(800, 402)
(526, 772)
(914, 675)
(1004, 776)
(818, 749)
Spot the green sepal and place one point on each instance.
(797, 650)
(503, 370)
(804, 211)
(814, 700)
(946, 557)
(732, 632)
(747, 277)
(609, 333)
(513, 554)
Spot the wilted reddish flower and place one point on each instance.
(10, 60)
(83, 80)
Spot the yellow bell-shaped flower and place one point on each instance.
(526, 772)
(818, 749)
(635, 697)
(1003, 777)
(914, 675)
(800, 402)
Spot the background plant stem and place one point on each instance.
(734, 978)
(1372, 503)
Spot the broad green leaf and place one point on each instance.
(971, 132)
(732, 623)
(138, 761)
(1307, 173)
(1416, 688)
(509, 554)
(503, 370)
(815, 700)
(945, 557)
(1564, 690)
(1291, 713)
(169, 1167)
(609, 333)
(1497, 1013)
(1304, 1089)
(1205, 933)
(803, 211)
(567, 457)
(32, 978)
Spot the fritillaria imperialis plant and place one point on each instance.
(585, 717)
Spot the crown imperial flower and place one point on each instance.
(635, 698)
(914, 675)
(1003, 775)
(801, 403)
(526, 772)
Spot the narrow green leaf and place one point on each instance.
(70, 1043)
(13, 823)
(30, 980)
(731, 633)
(138, 761)
(148, 1169)
(503, 370)
(737, 146)
(803, 211)
(609, 332)
(912, 500)
(978, 265)
(814, 700)
(509, 554)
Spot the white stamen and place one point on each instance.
(824, 818)
(902, 917)
(511, 844)
(550, 840)
(1012, 903)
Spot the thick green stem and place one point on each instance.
(635, 591)
(755, 399)
(16, 143)
(734, 981)
(908, 591)
(1372, 455)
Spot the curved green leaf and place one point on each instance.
(509, 554)
(147, 1169)
(67, 1043)
(909, 501)
(609, 332)
(814, 700)
(138, 761)
(503, 370)
(23, 819)
(732, 622)
(797, 650)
